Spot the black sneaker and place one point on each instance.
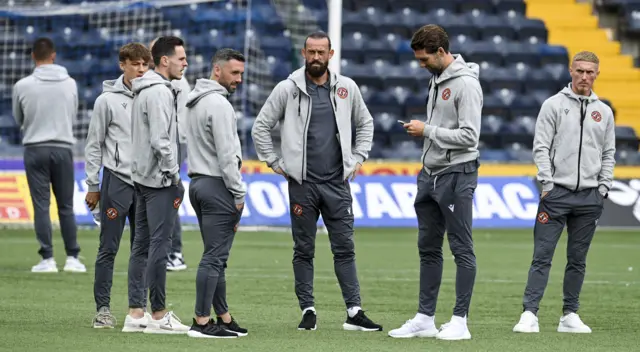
(210, 331)
(308, 321)
(360, 322)
(233, 327)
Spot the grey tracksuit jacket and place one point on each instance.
(109, 136)
(212, 136)
(454, 109)
(154, 132)
(290, 104)
(45, 105)
(575, 144)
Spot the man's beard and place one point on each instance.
(316, 71)
(228, 87)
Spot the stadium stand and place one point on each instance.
(523, 48)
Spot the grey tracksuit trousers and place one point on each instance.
(580, 211)
(217, 217)
(49, 167)
(155, 215)
(176, 236)
(333, 200)
(117, 203)
(445, 202)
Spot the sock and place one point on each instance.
(423, 318)
(310, 308)
(353, 311)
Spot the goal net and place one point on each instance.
(88, 34)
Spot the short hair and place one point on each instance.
(430, 38)
(317, 35)
(165, 46)
(225, 55)
(42, 48)
(587, 56)
(134, 52)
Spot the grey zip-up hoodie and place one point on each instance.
(212, 136)
(109, 137)
(454, 109)
(290, 104)
(154, 130)
(45, 105)
(183, 96)
(575, 144)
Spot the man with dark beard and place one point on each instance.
(315, 109)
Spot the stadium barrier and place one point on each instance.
(381, 198)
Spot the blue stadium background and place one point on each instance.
(518, 68)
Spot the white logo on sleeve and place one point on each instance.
(451, 207)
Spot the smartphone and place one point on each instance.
(402, 122)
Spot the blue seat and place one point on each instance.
(504, 78)
(518, 7)
(519, 52)
(494, 155)
(626, 138)
(353, 46)
(360, 22)
(439, 6)
(476, 5)
(540, 79)
(384, 103)
(485, 51)
(361, 74)
(493, 105)
(530, 28)
(380, 49)
(379, 4)
(398, 23)
(520, 152)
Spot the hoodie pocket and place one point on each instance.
(117, 155)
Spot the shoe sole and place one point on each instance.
(70, 270)
(464, 337)
(572, 331)
(133, 329)
(164, 332)
(44, 271)
(199, 335)
(177, 268)
(240, 334)
(102, 327)
(421, 334)
(350, 327)
(523, 331)
(309, 329)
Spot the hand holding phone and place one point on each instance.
(402, 122)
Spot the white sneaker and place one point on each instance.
(169, 324)
(416, 327)
(528, 323)
(73, 265)
(175, 262)
(455, 329)
(45, 266)
(132, 324)
(573, 324)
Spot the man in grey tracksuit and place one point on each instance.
(45, 106)
(216, 191)
(574, 149)
(156, 178)
(108, 147)
(316, 109)
(446, 183)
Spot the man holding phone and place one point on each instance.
(447, 181)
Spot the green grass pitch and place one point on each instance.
(53, 312)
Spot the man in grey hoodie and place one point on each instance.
(316, 109)
(45, 105)
(447, 181)
(574, 149)
(156, 178)
(216, 191)
(108, 148)
(175, 260)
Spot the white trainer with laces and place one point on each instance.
(416, 328)
(528, 323)
(73, 265)
(132, 324)
(175, 262)
(572, 323)
(455, 329)
(45, 266)
(169, 324)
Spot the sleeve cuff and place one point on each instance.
(603, 190)
(175, 178)
(93, 188)
(278, 164)
(547, 187)
(359, 159)
(239, 200)
(428, 131)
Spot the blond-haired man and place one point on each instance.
(573, 148)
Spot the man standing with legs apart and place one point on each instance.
(109, 146)
(175, 260)
(574, 147)
(156, 179)
(315, 109)
(45, 105)
(446, 183)
(216, 191)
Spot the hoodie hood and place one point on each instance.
(458, 68)
(50, 72)
(149, 79)
(299, 78)
(116, 86)
(203, 88)
(567, 91)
